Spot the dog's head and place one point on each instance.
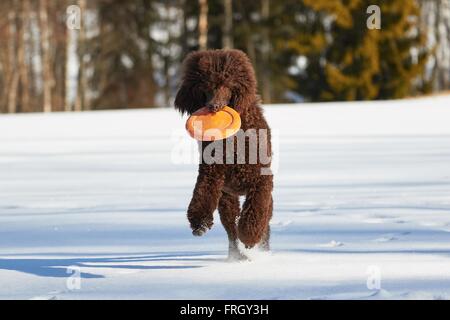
(214, 79)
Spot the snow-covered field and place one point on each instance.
(362, 196)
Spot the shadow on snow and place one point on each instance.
(58, 268)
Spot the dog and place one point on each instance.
(218, 78)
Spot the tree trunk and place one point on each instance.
(443, 30)
(435, 17)
(22, 43)
(13, 81)
(45, 52)
(265, 53)
(227, 38)
(58, 54)
(184, 29)
(12, 96)
(69, 46)
(80, 103)
(250, 46)
(167, 59)
(203, 25)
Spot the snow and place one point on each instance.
(362, 207)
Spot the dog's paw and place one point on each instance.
(248, 235)
(198, 232)
(200, 229)
(236, 255)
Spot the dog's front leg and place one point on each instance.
(205, 198)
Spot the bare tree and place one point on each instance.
(71, 41)
(203, 25)
(45, 56)
(23, 33)
(14, 74)
(443, 39)
(4, 66)
(58, 45)
(227, 38)
(248, 35)
(265, 53)
(80, 103)
(435, 18)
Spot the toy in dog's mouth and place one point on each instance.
(205, 125)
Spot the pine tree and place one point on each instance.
(348, 61)
(403, 50)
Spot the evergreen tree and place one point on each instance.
(348, 61)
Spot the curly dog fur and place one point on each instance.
(216, 78)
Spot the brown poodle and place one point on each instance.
(215, 79)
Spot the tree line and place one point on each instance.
(128, 54)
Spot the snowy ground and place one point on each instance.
(362, 193)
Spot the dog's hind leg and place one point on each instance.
(265, 242)
(253, 225)
(229, 213)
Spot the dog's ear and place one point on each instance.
(184, 101)
(242, 80)
(187, 99)
(241, 100)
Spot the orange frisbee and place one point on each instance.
(204, 125)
